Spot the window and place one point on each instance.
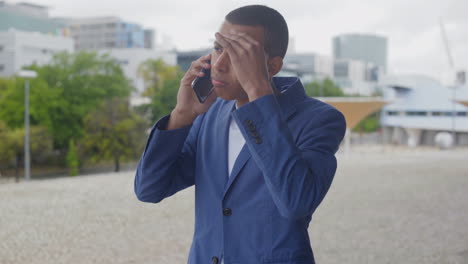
(392, 113)
(1, 48)
(462, 113)
(416, 113)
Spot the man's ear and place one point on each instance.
(274, 65)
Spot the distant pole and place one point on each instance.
(27, 74)
(27, 155)
(451, 64)
(347, 140)
(454, 112)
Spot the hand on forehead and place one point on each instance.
(254, 32)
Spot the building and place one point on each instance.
(28, 35)
(353, 76)
(109, 33)
(185, 58)
(360, 60)
(28, 17)
(149, 39)
(19, 48)
(420, 109)
(307, 66)
(368, 48)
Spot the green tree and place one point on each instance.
(369, 124)
(325, 88)
(162, 83)
(66, 89)
(6, 152)
(82, 81)
(41, 97)
(155, 73)
(12, 147)
(114, 132)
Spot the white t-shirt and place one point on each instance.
(236, 142)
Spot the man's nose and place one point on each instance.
(221, 64)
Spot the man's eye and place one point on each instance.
(218, 49)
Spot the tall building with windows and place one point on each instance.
(28, 17)
(109, 33)
(368, 48)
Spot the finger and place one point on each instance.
(247, 38)
(243, 40)
(197, 73)
(198, 65)
(192, 73)
(231, 43)
(222, 41)
(205, 58)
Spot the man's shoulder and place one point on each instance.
(314, 104)
(293, 92)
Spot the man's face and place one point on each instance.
(223, 75)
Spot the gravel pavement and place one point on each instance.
(385, 206)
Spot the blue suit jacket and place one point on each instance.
(261, 212)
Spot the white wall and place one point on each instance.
(25, 48)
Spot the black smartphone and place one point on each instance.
(203, 86)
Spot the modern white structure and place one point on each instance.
(131, 58)
(421, 108)
(18, 49)
(109, 32)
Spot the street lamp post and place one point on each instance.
(27, 153)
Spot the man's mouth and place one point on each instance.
(217, 82)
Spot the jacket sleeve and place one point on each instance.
(297, 174)
(167, 164)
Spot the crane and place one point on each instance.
(451, 64)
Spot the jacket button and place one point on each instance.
(258, 140)
(248, 122)
(214, 260)
(227, 211)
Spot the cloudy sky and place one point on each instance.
(411, 26)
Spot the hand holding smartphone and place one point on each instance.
(202, 86)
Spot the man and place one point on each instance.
(261, 155)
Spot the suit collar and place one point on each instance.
(291, 93)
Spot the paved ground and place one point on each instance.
(385, 206)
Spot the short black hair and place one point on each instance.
(275, 27)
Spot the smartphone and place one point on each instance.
(202, 86)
